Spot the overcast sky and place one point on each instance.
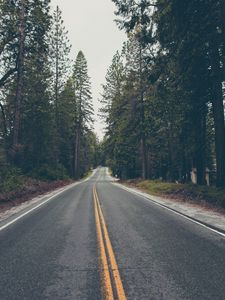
(92, 29)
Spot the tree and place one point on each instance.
(29, 47)
(192, 35)
(8, 57)
(20, 72)
(36, 115)
(8, 40)
(216, 39)
(112, 91)
(205, 80)
(60, 62)
(136, 70)
(38, 92)
(122, 100)
(84, 108)
(66, 119)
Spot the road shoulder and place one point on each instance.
(211, 219)
(23, 208)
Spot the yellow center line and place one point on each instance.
(107, 286)
(115, 270)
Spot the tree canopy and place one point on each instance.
(172, 92)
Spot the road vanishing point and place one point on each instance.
(96, 240)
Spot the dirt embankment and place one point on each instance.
(28, 190)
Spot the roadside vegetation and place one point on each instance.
(163, 97)
(16, 188)
(46, 109)
(162, 100)
(203, 195)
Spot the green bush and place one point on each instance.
(50, 173)
(10, 179)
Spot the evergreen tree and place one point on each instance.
(191, 36)
(36, 116)
(37, 93)
(84, 108)
(31, 25)
(66, 119)
(8, 40)
(136, 69)
(112, 91)
(9, 36)
(60, 65)
(20, 71)
(119, 99)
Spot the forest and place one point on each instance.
(162, 102)
(163, 98)
(46, 109)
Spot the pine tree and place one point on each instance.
(20, 72)
(59, 59)
(84, 108)
(36, 115)
(136, 69)
(67, 119)
(112, 91)
(9, 36)
(8, 40)
(192, 35)
(30, 49)
(119, 111)
(30, 44)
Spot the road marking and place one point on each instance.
(108, 245)
(105, 274)
(44, 202)
(147, 198)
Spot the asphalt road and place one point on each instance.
(56, 251)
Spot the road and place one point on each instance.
(98, 241)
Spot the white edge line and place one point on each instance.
(44, 202)
(167, 208)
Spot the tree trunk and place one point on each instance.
(20, 74)
(4, 131)
(4, 121)
(143, 158)
(76, 154)
(218, 115)
(200, 144)
(142, 116)
(199, 130)
(57, 73)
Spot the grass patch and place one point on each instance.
(87, 174)
(110, 172)
(185, 192)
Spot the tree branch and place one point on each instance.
(6, 76)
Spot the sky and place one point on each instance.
(92, 29)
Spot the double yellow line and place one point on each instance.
(108, 260)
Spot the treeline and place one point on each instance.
(164, 93)
(45, 98)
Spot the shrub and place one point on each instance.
(50, 173)
(10, 179)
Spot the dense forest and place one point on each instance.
(163, 99)
(46, 113)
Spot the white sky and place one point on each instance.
(92, 29)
